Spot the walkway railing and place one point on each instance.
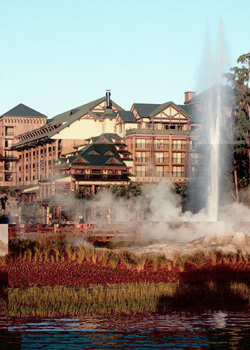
(90, 232)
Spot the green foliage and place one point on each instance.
(18, 245)
(238, 79)
(82, 193)
(132, 189)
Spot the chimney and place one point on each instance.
(108, 101)
(188, 96)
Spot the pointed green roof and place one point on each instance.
(22, 110)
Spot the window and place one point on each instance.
(8, 177)
(159, 171)
(141, 157)
(177, 158)
(8, 154)
(140, 171)
(159, 157)
(9, 131)
(178, 171)
(179, 145)
(194, 158)
(141, 143)
(8, 143)
(8, 166)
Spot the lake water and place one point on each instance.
(210, 330)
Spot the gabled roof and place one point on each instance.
(63, 120)
(22, 110)
(145, 109)
(97, 154)
(105, 138)
(73, 114)
(150, 110)
(127, 116)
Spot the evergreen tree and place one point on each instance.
(238, 78)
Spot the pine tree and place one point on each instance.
(238, 78)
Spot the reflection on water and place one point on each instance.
(220, 330)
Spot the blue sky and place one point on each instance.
(59, 54)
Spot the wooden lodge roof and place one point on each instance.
(127, 117)
(61, 121)
(146, 110)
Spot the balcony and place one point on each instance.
(152, 131)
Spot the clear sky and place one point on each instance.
(59, 54)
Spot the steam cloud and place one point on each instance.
(157, 215)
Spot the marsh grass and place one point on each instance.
(198, 259)
(176, 257)
(124, 299)
(140, 261)
(59, 300)
(114, 260)
(128, 259)
(104, 257)
(57, 249)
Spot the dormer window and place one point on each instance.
(109, 153)
(93, 153)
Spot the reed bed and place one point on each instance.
(59, 300)
(130, 298)
(57, 249)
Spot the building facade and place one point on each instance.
(161, 140)
(16, 121)
(39, 149)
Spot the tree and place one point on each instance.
(132, 189)
(238, 78)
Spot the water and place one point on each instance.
(210, 330)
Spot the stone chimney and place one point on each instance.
(188, 96)
(108, 100)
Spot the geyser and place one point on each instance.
(214, 134)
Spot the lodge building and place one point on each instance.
(98, 143)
